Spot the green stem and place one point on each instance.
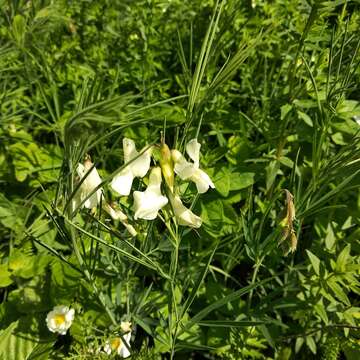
(253, 279)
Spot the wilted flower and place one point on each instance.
(139, 167)
(183, 215)
(117, 214)
(117, 343)
(147, 203)
(60, 319)
(288, 232)
(190, 171)
(91, 181)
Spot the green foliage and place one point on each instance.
(270, 90)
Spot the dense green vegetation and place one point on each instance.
(270, 89)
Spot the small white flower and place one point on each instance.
(125, 326)
(191, 171)
(184, 216)
(117, 343)
(147, 203)
(91, 181)
(122, 182)
(60, 319)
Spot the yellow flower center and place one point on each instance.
(116, 343)
(59, 319)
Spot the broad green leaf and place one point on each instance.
(42, 351)
(272, 170)
(343, 259)
(315, 261)
(222, 181)
(11, 214)
(310, 342)
(306, 118)
(320, 309)
(285, 109)
(338, 291)
(330, 237)
(32, 161)
(27, 266)
(5, 276)
(298, 344)
(19, 340)
(241, 180)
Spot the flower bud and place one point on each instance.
(167, 166)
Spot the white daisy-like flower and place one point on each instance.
(191, 171)
(184, 216)
(91, 181)
(60, 319)
(147, 203)
(121, 183)
(117, 344)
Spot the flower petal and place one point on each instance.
(125, 326)
(141, 165)
(182, 167)
(123, 350)
(202, 181)
(107, 348)
(129, 150)
(91, 181)
(122, 182)
(147, 203)
(193, 150)
(184, 216)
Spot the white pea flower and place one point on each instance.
(119, 215)
(184, 216)
(91, 181)
(117, 343)
(60, 319)
(122, 182)
(147, 203)
(191, 171)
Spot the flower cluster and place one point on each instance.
(147, 203)
(120, 345)
(60, 319)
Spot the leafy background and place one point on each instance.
(272, 89)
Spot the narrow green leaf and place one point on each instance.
(221, 302)
(196, 287)
(230, 323)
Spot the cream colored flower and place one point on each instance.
(191, 171)
(184, 216)
(139, 167)
(119, 215)
(147, 203)
(60, 319)
(125, 326)
(91, 181)
(117, 344)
